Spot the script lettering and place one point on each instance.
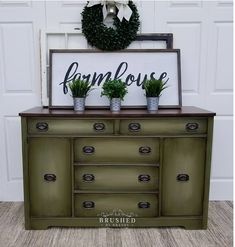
(98, 78)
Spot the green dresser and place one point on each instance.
(128, 169)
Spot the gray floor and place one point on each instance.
(219, 233)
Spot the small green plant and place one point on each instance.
(114, 89)
(154, 87)
(80, 88)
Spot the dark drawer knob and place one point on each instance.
(99, 126)
(50, 177)
(144, 205)
(41, 126)
(192, 126)
(88, 204)
(182, 177)
(145, 150)
(134, 127)
(144, 178)
(88, 178)
(88, 150)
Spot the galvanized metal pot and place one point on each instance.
(152, 103)
(115, 104)
(79, 104)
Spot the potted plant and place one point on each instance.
(79, 89)
(115, 90)
(153, 89)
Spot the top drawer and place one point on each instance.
(70, 126)
(163, 126)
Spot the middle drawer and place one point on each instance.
(114, 177)
(116, 150)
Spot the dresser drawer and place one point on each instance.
(70, 126)
(121, 177)
(163, 126)
(116, 150)
(93, 205)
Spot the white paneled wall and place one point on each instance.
(20, 22)
(202, 30)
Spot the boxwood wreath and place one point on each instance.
(108, 38)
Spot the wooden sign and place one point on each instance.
(132, 66)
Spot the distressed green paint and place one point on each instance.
(50, 156)
(183, 156)
(116, 127)
(160, 175)
(163, 126)
(72, 174)
(207, 171)
(106, 203)
(117, 150)
(70, 126)
(190, 223)
(116, 177)
(116, 164)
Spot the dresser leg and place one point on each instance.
(38, 226)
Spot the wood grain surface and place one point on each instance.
(104, 112)
(219, 233)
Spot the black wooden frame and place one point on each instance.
(167, 37)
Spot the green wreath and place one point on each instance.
(108, 38)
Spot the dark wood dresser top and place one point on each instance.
(185, 111)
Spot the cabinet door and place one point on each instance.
(50, 177)
(183, 176)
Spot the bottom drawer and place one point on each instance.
(93, 205)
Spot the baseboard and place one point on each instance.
(221, 189)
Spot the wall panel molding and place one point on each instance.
(2, 70)
(225, 3)
(224, 74)
(73, 4)
(17, 57)
(185, 4)
(15, 4)
(188, 35)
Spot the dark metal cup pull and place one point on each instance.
(192, 126)
(88, 150)
(183, 177)
(145, 150)
(99, 126)
(144, 205)
(41, 126)
(50, 177)
(88, 204)
(144, 178)
(134, 127)
(88, 177)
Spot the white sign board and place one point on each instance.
(132, 66)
